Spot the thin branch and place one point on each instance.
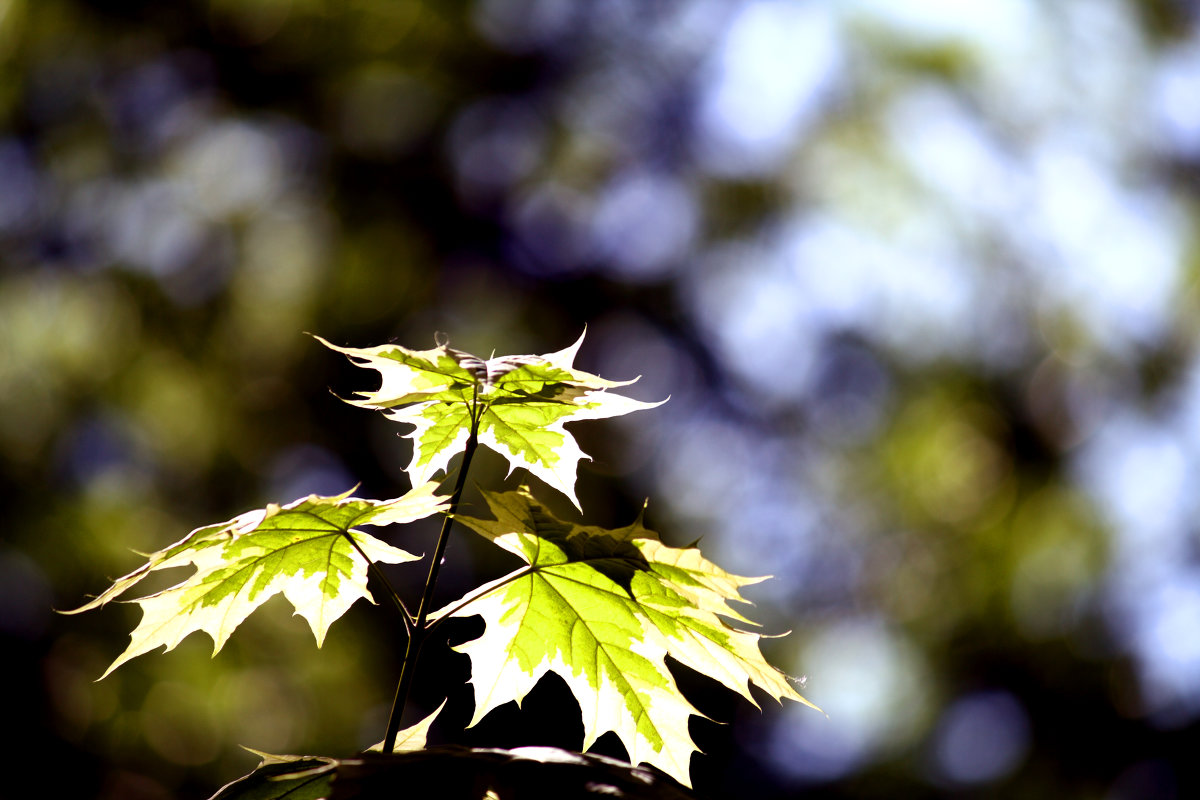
(420, 630)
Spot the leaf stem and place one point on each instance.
(421, 628)
(374, 569)
(450, 611)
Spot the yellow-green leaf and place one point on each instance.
(309, 550)
(521, 404)
(602, 609)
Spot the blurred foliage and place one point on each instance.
(922, 284)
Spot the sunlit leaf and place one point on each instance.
(521, 404)
(413, 737)
(602, 609)
(309, 550)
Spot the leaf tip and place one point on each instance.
(66, 612)
(324, 341)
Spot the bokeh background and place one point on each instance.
(920, 279)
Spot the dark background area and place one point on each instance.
(920, 280)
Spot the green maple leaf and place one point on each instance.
(308, 550)
(518, 405)
(602, 609)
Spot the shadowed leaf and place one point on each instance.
(450, 772)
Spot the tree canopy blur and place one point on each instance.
(920, 279)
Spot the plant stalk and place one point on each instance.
(374, 569)
(420, 628)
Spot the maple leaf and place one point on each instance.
(602, 609)
(308, 550)
(518, 405)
